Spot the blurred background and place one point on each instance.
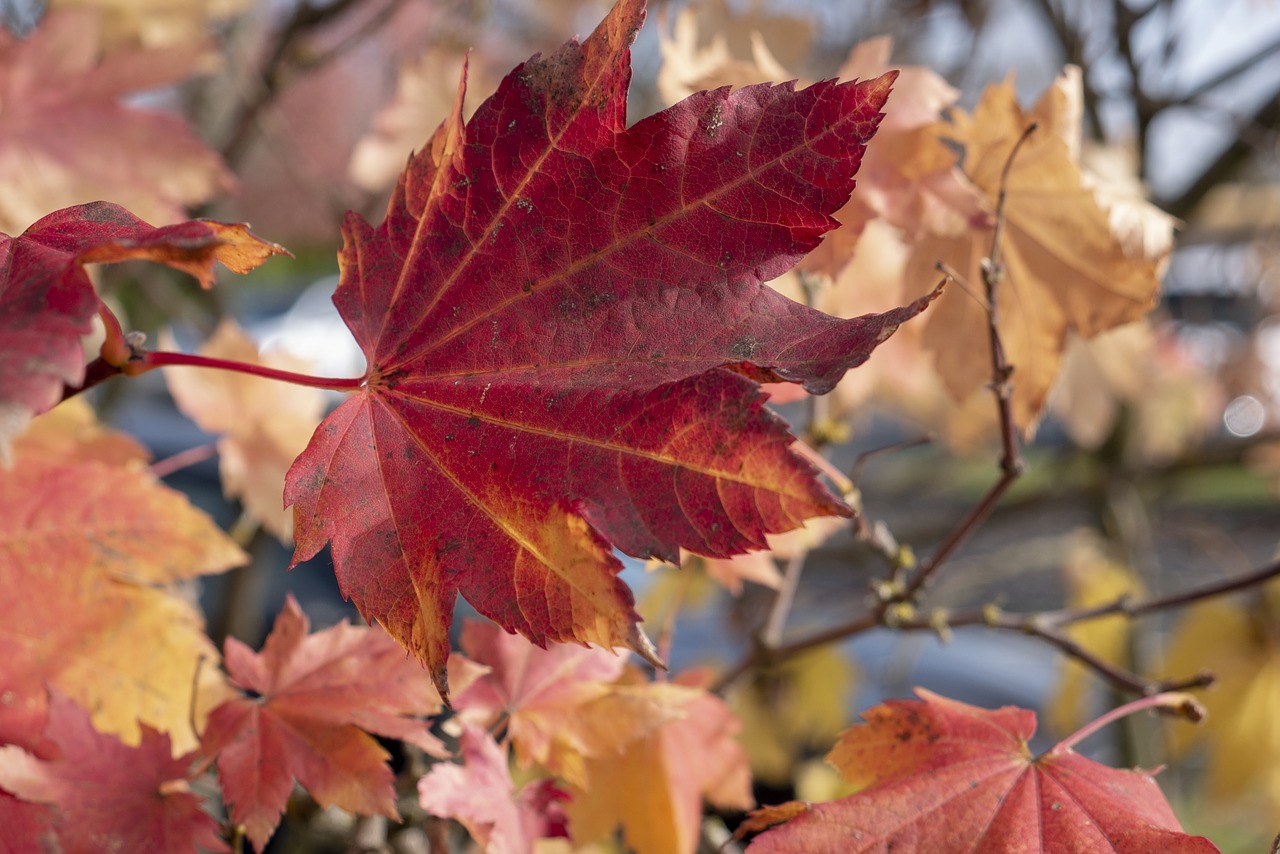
(1153, 449)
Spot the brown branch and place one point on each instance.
(783, 598)
(1011, 464)
(284, 57)
(1227, 164)
(1047, 626)
(1128, 607)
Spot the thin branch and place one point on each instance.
(183, 459)
(855, 473)
(1128, 607)
(305, 19)
(1011, 464)
(1048, 626)
(1227, 75)
(1227, 164)
(783, 597)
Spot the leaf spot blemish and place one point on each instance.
(713, 121)
(524, 205)
(745, 347)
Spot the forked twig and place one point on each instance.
(1011, 463)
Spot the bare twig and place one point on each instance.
(1001, 372)
(1128, 607)
(855, 473)
(1047, 626)
(282, 58)
(783, 598)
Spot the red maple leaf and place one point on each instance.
(317, 698)
(47, 300)
(941, 775)
(564, 320)
(105, 795)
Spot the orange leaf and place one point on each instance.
(87, 546)
(654, 787)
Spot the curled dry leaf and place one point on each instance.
(1068, 266)
(264, 423)
(63, 98)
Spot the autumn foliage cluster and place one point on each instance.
(574, 327)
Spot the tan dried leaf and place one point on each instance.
(1066, 268)
(264, 423)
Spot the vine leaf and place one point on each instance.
(565, 320)
(940, 775)
(106, 795)
(314, 699)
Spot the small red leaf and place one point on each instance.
(941, 775)
(107, 796)
(47, 300)
(318, 698)
(565, 320)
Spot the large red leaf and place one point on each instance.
(941, 775)
(104, 794)
(47, 300)
(316, 697)
(564, 319)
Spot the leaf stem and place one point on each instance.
(153, 360)
(1165, 701)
